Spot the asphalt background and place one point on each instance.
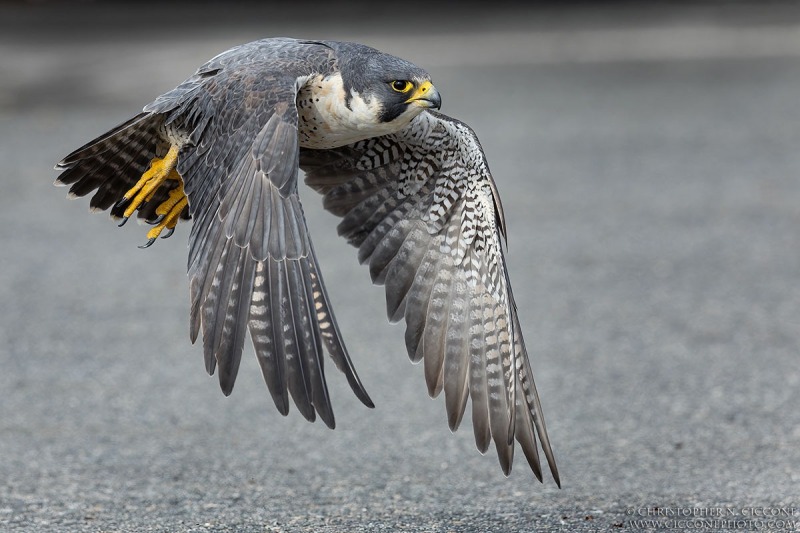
(648, 162)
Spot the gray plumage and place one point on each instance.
(416, 198)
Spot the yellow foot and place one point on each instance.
(160, 170)
(168, 213)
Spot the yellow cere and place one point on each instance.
(421, 91)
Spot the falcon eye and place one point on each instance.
(402, 86)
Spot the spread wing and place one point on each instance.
(423, 210)
(251, 262)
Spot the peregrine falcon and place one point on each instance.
(413, 189)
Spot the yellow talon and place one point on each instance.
(171, 209)
(172, 219)
(160, 170)
(175, 196)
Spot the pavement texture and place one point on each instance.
(648, 163)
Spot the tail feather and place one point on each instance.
(113, 162)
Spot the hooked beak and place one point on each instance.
(426, 95)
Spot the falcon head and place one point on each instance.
(371, 94)
(391, 90)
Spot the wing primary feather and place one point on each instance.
(478, 386)
(286, 340)
(229, 352)
(510, 350)
(402, 271)
(309, 343)
(225, 341)
(456, 358)
(202, 275)
(329, 330)
(195, 286)
(297, 329)
(220, 294)
(418, 298)
(498, 406)
(532, 399)
(261, 326)
(208, 298)
(527, 439)
(216, 302)
(205, 235)
(512, 390)
(207, 301)
(436, 320)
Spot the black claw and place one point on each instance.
(168, 233)
(147, 244)
(121, 204)
(156, 220)
(124, 220)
